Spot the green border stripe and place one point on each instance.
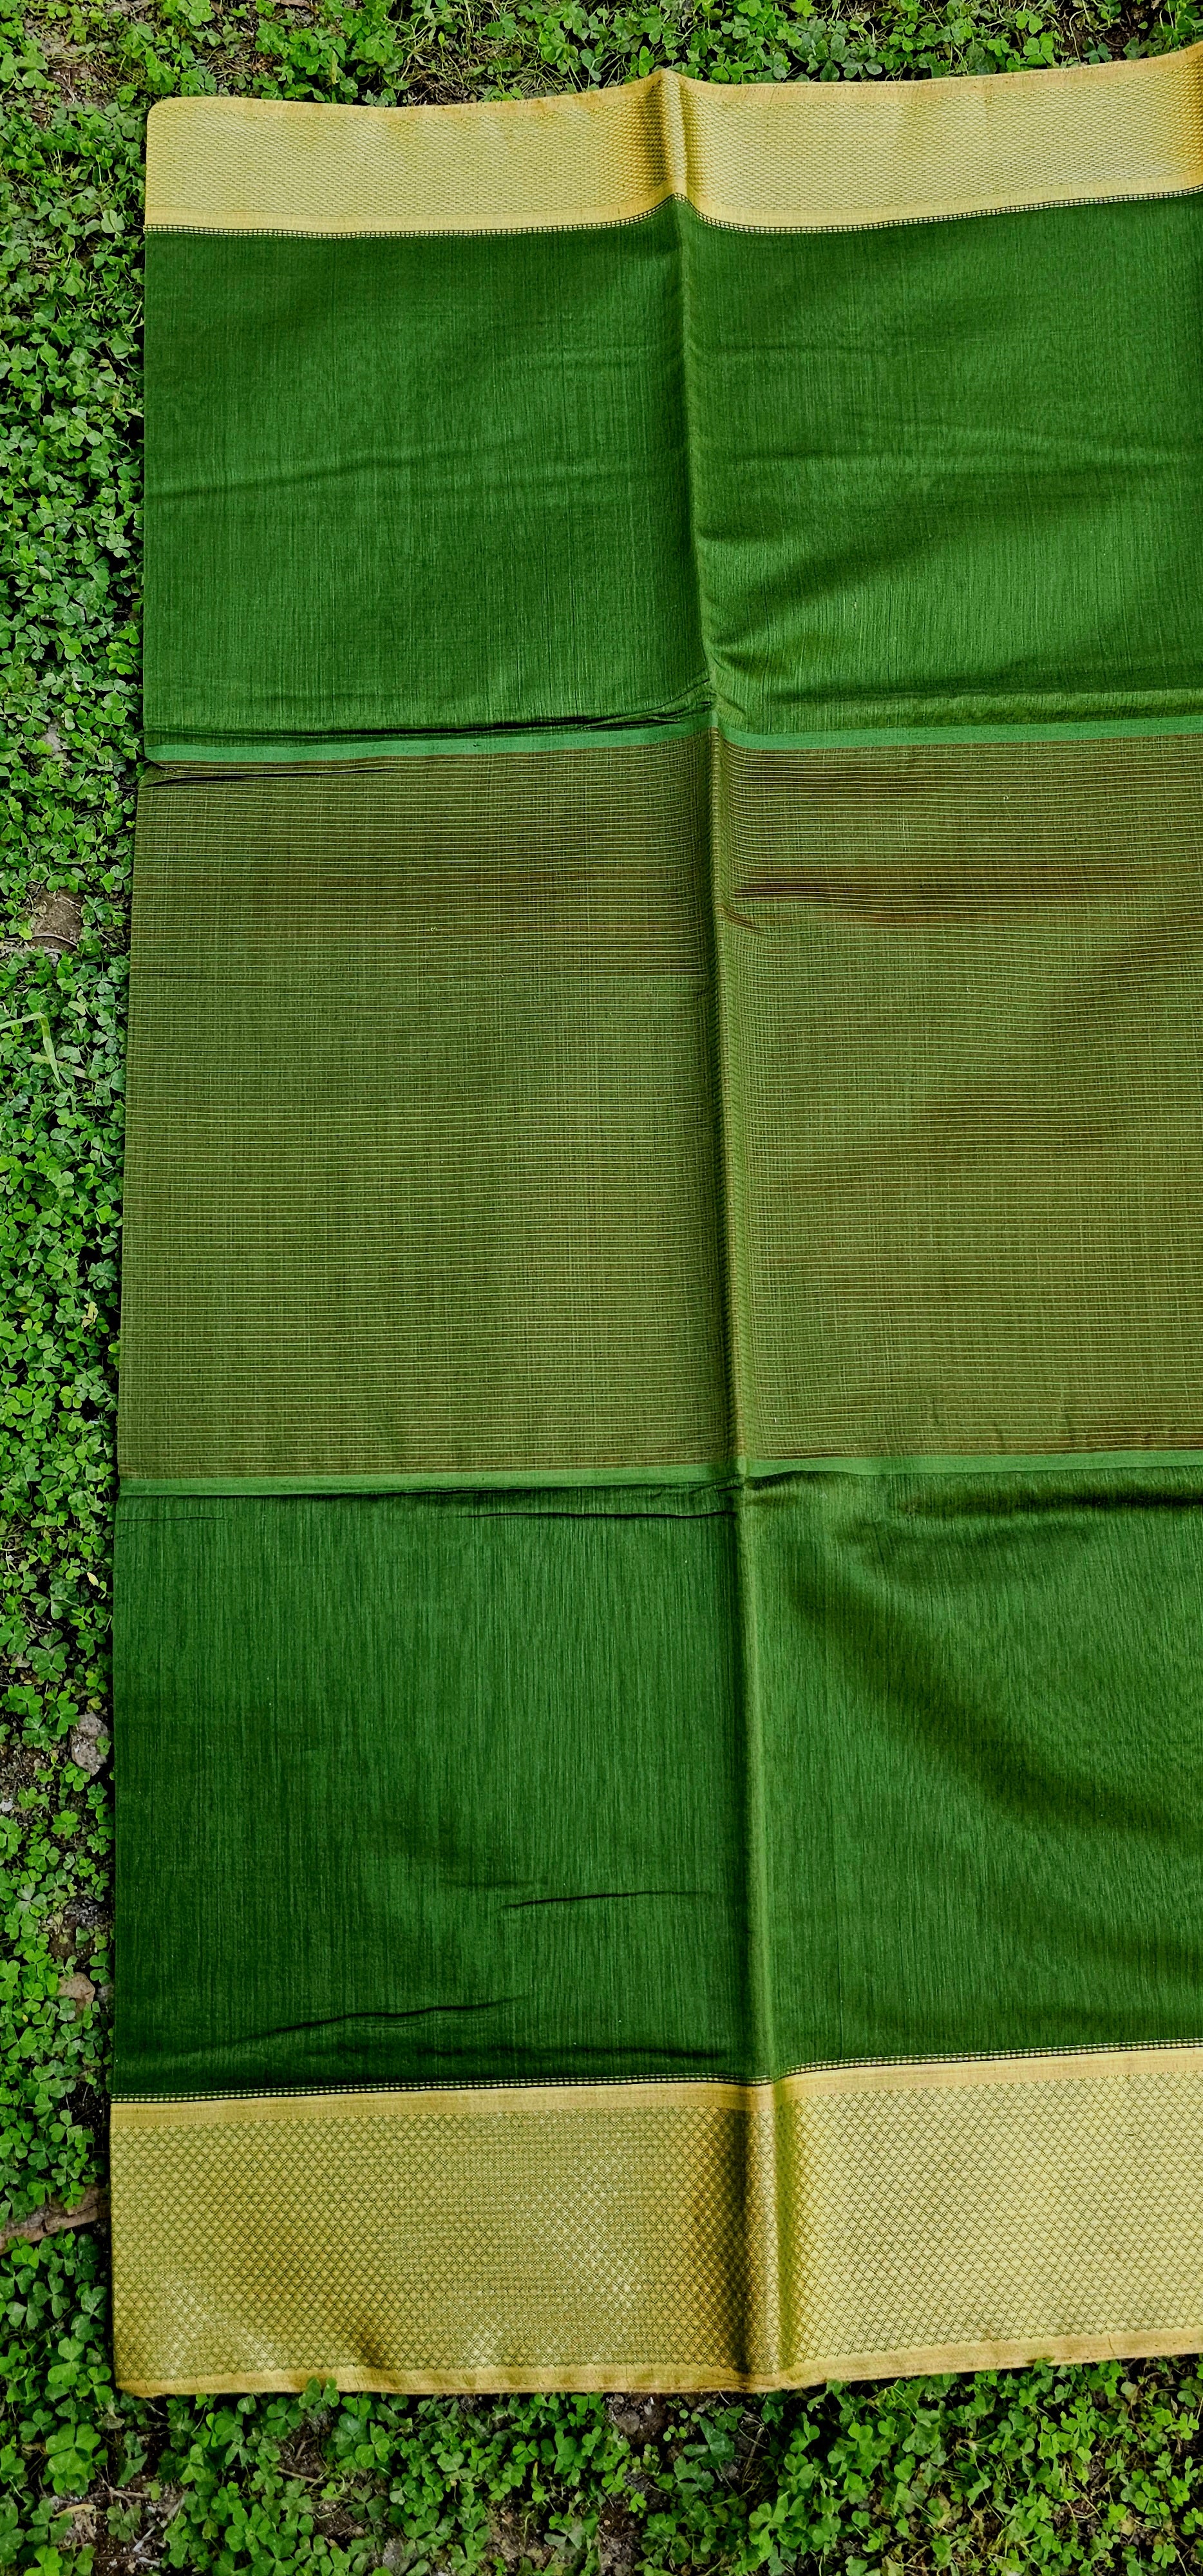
(284, 754)
(994, 1462)
(760, 1471)
(881, 737)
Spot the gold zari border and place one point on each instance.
(781, 156)
(849, 2223)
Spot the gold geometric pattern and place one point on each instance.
(788, 155)
(848, 2223)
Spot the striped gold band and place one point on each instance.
(846, 2223)
(793, 156)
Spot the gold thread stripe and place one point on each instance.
(780, 156)
(851, 2222)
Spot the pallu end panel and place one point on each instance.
(851, 2223)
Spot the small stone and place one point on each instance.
(57, 923)
(79, 1990)
(88, 1746)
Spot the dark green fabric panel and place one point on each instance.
(948, 472)
(983, 1727)
(411, 484)
(941, 473)
(532, 1786)
(418, 1791)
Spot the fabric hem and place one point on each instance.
(913, 2362)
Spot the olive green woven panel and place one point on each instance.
(965, 1057)
(427, 1053)
(423, 1169)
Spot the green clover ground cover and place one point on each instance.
(1041, 2469)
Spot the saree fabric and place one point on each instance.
(660, 1544)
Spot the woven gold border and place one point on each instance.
(789, 156)
(847, 2223)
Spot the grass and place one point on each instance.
(1041, 2469)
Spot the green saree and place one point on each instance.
(660, 1546)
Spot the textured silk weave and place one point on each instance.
(660, 1548)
